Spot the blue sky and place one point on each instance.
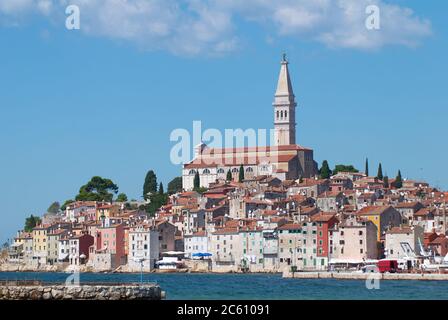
(103, 100)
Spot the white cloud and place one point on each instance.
(198, 26)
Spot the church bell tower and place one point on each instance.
(284, 108)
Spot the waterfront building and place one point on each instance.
(290, 246)
(403, 242)
(196, 243)
(79, 249)
(143, 248)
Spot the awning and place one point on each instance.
(202, 254)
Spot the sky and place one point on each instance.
(103, 100)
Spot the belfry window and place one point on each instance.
(192, 172)
(286, 114)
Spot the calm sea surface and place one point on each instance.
(258, 286)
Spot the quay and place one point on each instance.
(365, 276)
(36, 290)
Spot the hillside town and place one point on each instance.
(261, 224)
(249, 209)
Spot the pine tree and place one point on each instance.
(367, 166)
(196, 181)
(398, 181)
(380, 172)
(325, 171)
(229, 175)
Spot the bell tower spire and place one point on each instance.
(284, 108)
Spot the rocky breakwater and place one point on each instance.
(82, 292)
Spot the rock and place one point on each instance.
(47, 295)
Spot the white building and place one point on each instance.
(143, 248)
(196, 243)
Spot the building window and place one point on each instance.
(250, 169)
(192, 172)
(221, 170)
(206, 171)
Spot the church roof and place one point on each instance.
(284, 87)
(236, 161)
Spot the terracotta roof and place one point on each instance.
(290, 226)
(372, 210)
(236, 161)
(401, 230)
(323, 217)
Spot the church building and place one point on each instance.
(284, 160)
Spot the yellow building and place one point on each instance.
(384, 217)
(107, 211)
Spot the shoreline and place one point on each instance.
(366, 276)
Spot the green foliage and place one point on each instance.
(97, 189)
(398, 183)
(386, 182)
(122, 197)
(241, 174)
(196, 181)
(229, 175)
(66, 203)
(200, 190)
(344, 168)
(156, 201)
(380, 172)
(54, 207)
(161, 188)
(150, 185)
(31, 222)
(175, 185)
(367, 167)
(325, 172)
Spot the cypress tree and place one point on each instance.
(161, 188)
(380, 172)
(325, 171)
(386, 182)
(229, 175)
(241, 174)
(150, 184)
(367, 166)
(196, 181)
(398, 181)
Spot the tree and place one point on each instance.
(325, 172)
(31, 222)
(196, 181)
(380, 172)
(97, 189)
(241, 174)
(398, 183)
(386, 182)
(367, 166)
(150, 185)
(54, 207)
(66, 203)
(155, 202)
(229, 175)
(344, 168)
(175, 185)
(161, 188)
(122, 197)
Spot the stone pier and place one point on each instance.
(82, 292)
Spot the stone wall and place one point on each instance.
(83, 292)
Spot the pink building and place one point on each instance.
(111, 239)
